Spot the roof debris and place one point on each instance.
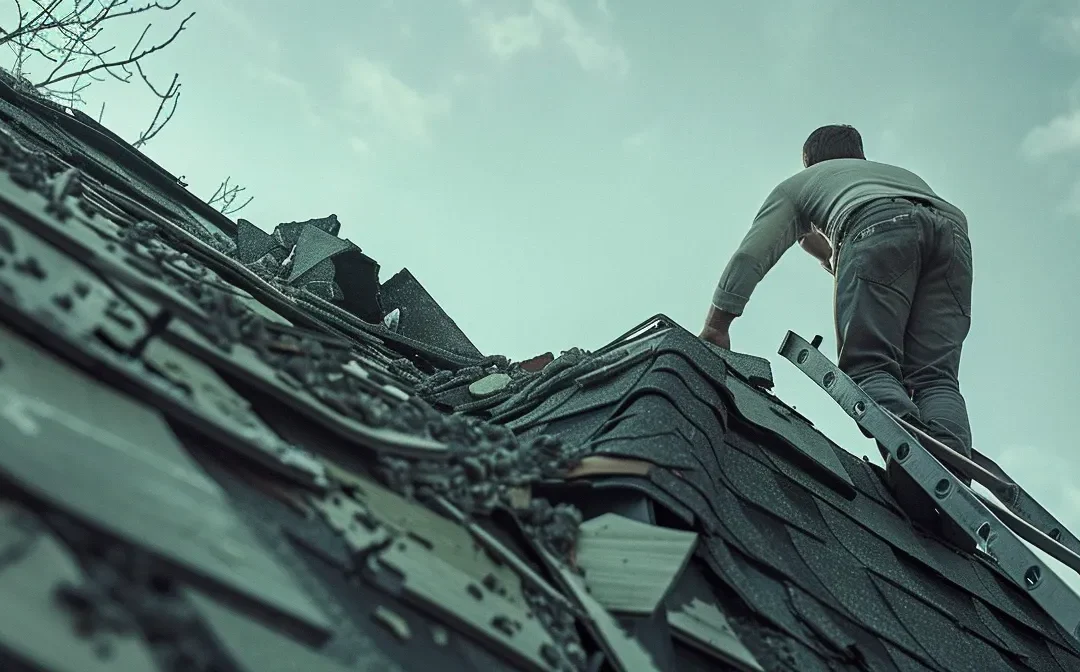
(229, 449)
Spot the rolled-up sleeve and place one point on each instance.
(777, 226)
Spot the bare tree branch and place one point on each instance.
(226, 195)
(166, 100)
(66, 36)
(112, 66)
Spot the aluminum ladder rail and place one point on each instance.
(983, 526)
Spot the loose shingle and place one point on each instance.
(339, 434)
(704, 626)
(797, 436)
(631, 566)
(468, 604)
(422, 318)
(624, 653)
(697, 620)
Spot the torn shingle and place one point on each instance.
(467, 604)
(422, 319)
(358, 277)
(537, 363)
(630, 566)
(252, 243)
(624, 653)
(796, 435)
(704, 626)
(489, 385)
(288, 430)
(314, 246)
(755, 370)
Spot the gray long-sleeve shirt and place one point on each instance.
(821, 197)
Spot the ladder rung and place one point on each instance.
(1032, 534)
(973, 522)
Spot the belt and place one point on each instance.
(869, 206)
(879, 202)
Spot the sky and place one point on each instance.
(557, 171)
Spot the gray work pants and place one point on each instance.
(903, 309)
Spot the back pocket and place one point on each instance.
(886, 250)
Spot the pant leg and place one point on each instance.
(876, 278)
(939, 322)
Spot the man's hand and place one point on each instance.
(719, 337)
(717, 327)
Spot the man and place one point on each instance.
(902, 261)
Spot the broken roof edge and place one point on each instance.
(86, 129)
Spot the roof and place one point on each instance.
(235, 449)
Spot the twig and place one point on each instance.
(132, 57)
(170, 98)
(225, 195)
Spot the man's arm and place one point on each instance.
(717, 325)
(775, 229)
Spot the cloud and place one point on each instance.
(635, 141)
(1058, 21)
(593, 53)
(505, 36)
(899, 125)
(794, 30)
(359, 145)
(643, 140)
(1065, 31)
(264, 64)
(1059, 135)
(294, 89)
(371, 88)
(244, 27)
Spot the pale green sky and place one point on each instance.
(555, 171)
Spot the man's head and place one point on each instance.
(832, 142)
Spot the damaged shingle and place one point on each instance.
(421, 318)
(704, 626)
(631, 566)
(489, 385)
(252, 243)
(498, 622)
(358, 488)
(624, 653)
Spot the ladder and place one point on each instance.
(975, 522)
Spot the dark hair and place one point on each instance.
(837, 141)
